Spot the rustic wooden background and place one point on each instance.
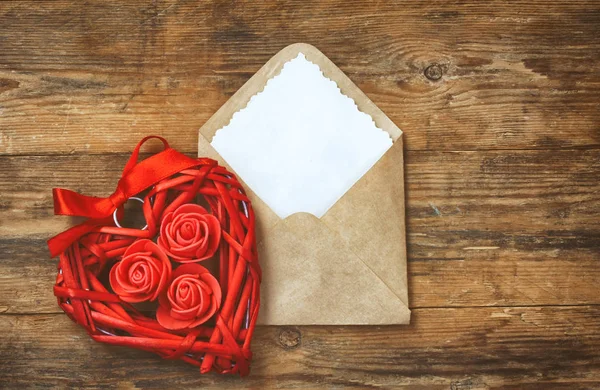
(499, 103)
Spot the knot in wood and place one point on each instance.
(434, 72)
(290, 338)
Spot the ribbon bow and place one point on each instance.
(136, 177)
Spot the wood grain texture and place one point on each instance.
(480, 348)
(485, 228)
(499, 104)
(97, 78)
(484, 279)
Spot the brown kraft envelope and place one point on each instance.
(349, 266)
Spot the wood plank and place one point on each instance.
(491, 228)
(96, 78)
(498, 192)
(550, 348)
(28, 275)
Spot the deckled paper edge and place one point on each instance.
(302, 55)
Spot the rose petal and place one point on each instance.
(189, 314)
(191, 208)
(205, 302)
(172, 292)
(190, 268)
(195, 298)
(214, 238)
(122, 271)
(166, 221)
(207, 315)
(154, 273)
(114, 283)
(162, 244)
(188, 232)
(164, 319)
(214, 285)
(188, 246)
(137, 247)
(180, 259)
(183, 292)
(170, 239)
(130, 286)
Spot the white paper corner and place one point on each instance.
(300, 144)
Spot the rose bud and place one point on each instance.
(142, 273)
(192, 297)
(189, 234)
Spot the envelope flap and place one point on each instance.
(370, 219)
(321, 280)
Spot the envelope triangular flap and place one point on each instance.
(324, 281)
(349, 267)
(369, 218)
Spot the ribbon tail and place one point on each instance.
(67, 202)
(62, 241)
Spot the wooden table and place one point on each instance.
(500, 107)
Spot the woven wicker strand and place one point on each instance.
(222, 344)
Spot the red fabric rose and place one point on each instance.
(193, 296)
(190, 234)
(142, 273)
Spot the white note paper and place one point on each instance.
(300, 144)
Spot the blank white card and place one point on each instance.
(300, 144)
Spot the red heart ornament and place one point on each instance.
(150, 288)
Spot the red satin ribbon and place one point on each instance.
(136, 177)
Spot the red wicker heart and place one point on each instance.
(151, 288)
